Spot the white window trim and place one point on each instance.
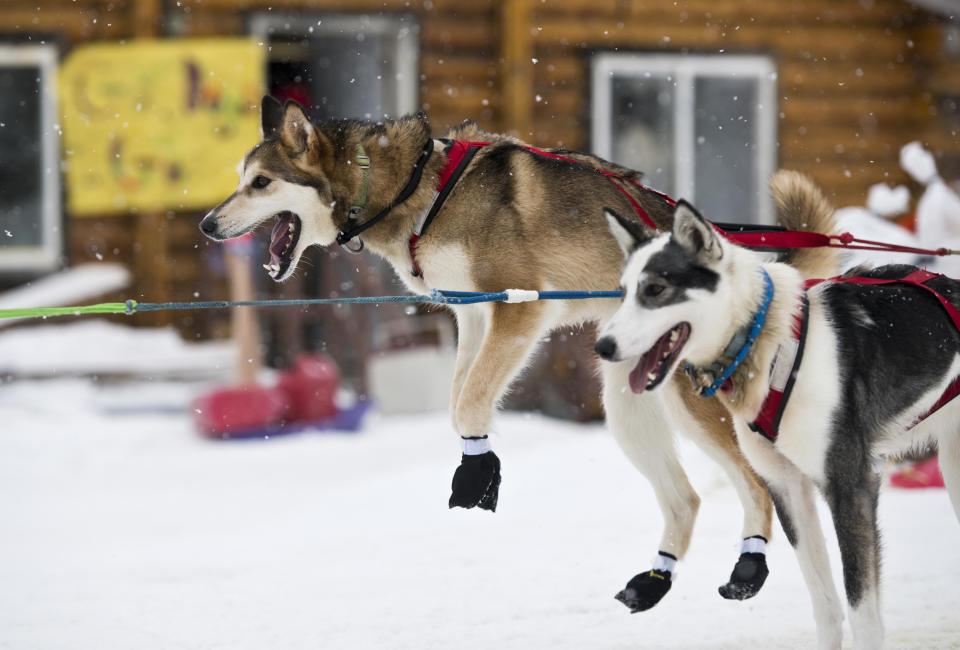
(47, 255)
(685, 69)
(408, 59)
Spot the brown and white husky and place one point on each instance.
(516, 218)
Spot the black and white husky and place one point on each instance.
(829, 378)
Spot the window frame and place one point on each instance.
(685, 69)
(46, 256)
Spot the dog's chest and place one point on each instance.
(446, 266)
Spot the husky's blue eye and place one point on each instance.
(260, 182)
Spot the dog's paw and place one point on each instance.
(645, 590)
(749, 574)
(476, 483)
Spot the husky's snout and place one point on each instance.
(209, 225)
(606, 348)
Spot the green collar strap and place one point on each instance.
(362, 160)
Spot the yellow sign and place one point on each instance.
(158, 125)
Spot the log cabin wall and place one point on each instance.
(856, 80)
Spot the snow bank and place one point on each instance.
(100, 347)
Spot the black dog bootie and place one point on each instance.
(476, 483)
(645, 590)
(749, 574)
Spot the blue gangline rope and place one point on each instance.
(437, 296)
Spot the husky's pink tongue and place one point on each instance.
(640, 375)
(280, 236)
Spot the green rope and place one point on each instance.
(43, 312)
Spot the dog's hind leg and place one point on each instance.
(793, 496)
(511, 335)
(710, 426)
(852, 493)
(639, 425)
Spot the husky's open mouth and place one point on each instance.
(657, 361)
(283, 241)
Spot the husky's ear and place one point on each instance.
(303, 140)
(271, 116)
(629, 234)
(694, 233)
(296, 131)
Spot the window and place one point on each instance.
(700, 127)
(30, 236)
(355, 66)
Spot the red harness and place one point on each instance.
(459, 155)
(768, 420)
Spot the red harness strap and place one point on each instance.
(459, 155)
(768, 420)
(805, 239)
(917, 278)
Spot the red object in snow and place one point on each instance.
(310, 388)
(238, 408)
(922, 475)
(304, 395)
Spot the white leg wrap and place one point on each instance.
(664, 563)
(475, 446)
(754, 545)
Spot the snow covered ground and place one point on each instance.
(127, 530)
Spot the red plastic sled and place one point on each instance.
(304, 398)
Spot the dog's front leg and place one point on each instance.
(640, 426)
(511, 335)
(471, 323)
(708, 423)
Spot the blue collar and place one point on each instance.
(741, 339)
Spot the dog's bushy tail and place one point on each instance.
(802, 206)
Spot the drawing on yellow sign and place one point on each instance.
(154, 125)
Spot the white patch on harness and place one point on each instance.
(475, 446)
(521, 295)
(423, 215)
(783, 364)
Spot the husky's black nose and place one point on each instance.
(208, 225)
(606, 348)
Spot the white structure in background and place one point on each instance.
(938, 211)
(416, 378)
(872, 222)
